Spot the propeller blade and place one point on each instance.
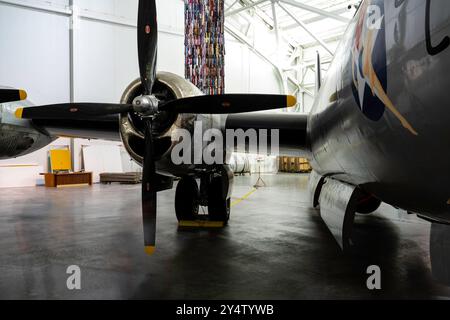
(229, 103)
(72, 111)
(9, 95)
(147, 33)
(149, 182)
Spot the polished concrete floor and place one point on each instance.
(275, 247)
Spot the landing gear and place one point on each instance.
(218, 203)
(187, 199)
(214, 193)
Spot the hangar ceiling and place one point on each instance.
(297, 30)
(302, 27)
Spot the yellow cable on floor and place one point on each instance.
(213, 224)
(248, 194)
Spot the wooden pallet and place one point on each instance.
(124, 178)
(294, 165)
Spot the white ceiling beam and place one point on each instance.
(316, 10)
(301, 24)
(313, 19)
(249, 6)
(275, 24)
(331, 38)
(241, 38)
(231, 6)
(268, 21)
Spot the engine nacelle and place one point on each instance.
(168, 86)
(19, 137)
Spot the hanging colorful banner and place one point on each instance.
(205, 45)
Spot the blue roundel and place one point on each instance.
(367, 100)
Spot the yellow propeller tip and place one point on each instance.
(23, 94)
(291, 101)
(150, 250)
(19, 113)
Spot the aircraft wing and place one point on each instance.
(105, 127)
(292, 129)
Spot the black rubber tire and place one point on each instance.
(218, 206)
(187, 199)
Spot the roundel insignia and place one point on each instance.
(369, 74)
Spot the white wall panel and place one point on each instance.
(237, 68)
(34, 48)
(118, 8)
(171, 15)
(171, 53)
(263, 78)
(246, 72)
(109, 162)
(19, 176)
(105, 60)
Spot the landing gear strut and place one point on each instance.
(214, 193)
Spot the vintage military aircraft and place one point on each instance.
(378, 128)
(376, 133)
(151, 108)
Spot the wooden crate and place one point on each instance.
(55, 180)
(283, 164)
(294, 165)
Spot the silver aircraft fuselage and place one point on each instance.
(381, 120)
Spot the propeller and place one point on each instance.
(149, 182)
(148, 106)
(147, 32)
(8, 95)
(72, 111)
(228, 103)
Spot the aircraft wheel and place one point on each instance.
(187, 199)
(218, 205)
